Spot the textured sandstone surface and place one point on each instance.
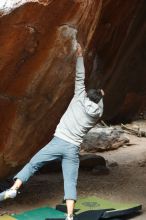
(37, 72)
(37, 66)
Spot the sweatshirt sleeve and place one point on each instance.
(80, 77)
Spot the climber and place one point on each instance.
(81, 115)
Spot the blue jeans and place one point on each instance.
(56, 148)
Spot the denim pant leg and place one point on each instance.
(47, 153)
(70, 167)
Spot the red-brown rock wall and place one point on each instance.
(37, 72)
(121, 46)
(37, 67)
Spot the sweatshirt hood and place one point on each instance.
(93, 109)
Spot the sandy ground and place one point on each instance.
(126, 182)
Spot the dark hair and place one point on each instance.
(94, 95)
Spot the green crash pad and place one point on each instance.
(114, 209)
(40, 214)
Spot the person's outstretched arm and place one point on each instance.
(80, 73)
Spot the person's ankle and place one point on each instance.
(14, 188)
(70, 215)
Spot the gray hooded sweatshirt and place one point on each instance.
(82, 113)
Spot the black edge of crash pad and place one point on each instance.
(121, 213)
(63, 208)
(91, 215)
